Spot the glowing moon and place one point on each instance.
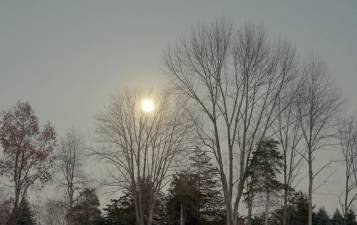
(147, 105)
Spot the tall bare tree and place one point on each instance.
(318, 105)
(142, 146)
(70, 159)
(348, 141)
(289, 135)
(233, 79)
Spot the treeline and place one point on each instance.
(194, 197)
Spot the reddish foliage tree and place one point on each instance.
(28, 150)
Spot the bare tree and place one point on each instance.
(318, 104)
(289, 135)
(70, 158)
(348, 141)
(142, 146)
(233, 79)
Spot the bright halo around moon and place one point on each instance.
(147, 105)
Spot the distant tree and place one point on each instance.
(337, 218)
(28, 151)
(321, 217)
(86, 211)
(266, 165)
(70, 159)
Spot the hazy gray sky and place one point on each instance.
(66, 57)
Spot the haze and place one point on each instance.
(67, 57)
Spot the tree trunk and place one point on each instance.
(237, 202)
(285, 213)
(151, 215)
(182, 215)
(310, 190)
(229, 217)
(15, 212)
(250, 206)
(227, 197)
(267, 201)
(70, 208)
(138, 210)
(345, 210)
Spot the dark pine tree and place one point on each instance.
(265, 166)
(25, 214)
(298, 206)
(351, 218)
(321, 218)
(302, 209)
(86, 211)
(182, 205)
(120, 211)
(210, 200)
(337, 218)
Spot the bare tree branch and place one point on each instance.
(233, 79)
(142, 147)
(318, 105)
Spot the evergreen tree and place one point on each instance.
(183, 200)
(120, 212)
(146, 198)
(321, 218)
(351, 218)
(210, 199)
(298, 206)
(86, 211)
(266, 164)
(337, 218)
(25, 214)
(257, 220)
(195, 196)
(302, 208)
